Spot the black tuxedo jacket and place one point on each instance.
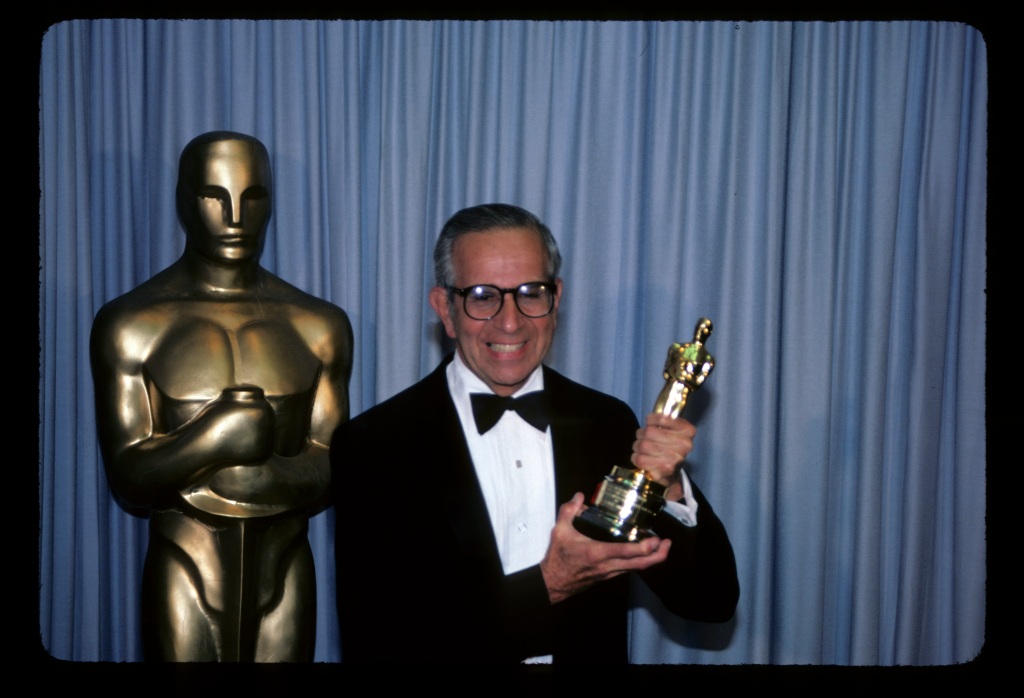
(419, 577)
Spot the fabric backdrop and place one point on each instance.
(817, 189)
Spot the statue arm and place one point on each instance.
(302, 480)
(145, 466)
(330, 338)
(332, 344)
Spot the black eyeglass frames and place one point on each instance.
(482, 302)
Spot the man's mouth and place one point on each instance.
(505, 348)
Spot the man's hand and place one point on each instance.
(660, 449)
(574, 562)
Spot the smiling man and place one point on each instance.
(505, 351)
(476, 561)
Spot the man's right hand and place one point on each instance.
(574, 562)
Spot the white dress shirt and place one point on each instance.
(515, 466)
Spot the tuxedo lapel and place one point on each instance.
(453, 485)
(571, 443)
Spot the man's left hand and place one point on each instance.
(660, 448)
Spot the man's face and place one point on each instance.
(232, 202)
(504, 350)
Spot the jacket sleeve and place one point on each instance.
(698, 581)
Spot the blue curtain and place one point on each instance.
(817, 189)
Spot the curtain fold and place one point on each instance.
(817, 189)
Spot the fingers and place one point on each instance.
(664, 430)
(571, 509)
(622, 557)
(600, 561)
(574, 562)
(662, 445)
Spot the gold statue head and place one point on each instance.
(224, 185)
(691, 363)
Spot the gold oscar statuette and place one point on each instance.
(627, 500)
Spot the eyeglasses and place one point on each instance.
(484, 301)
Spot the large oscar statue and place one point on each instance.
(218, 386)
(627, 501)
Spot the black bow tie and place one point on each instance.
(488, 408)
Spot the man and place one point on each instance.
(218, 386)
(463, 557)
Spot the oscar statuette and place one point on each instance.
(627, 501)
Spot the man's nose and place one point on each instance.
(509, 318)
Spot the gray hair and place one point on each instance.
(480, 219)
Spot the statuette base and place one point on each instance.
(624, 508)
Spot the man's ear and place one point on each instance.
(439, 302)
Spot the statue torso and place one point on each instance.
(203, 347)
(207, 347)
